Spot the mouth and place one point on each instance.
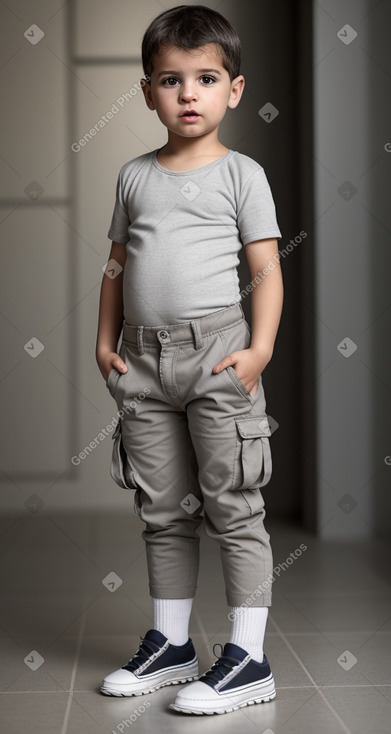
(189, 115)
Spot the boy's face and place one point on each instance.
(194, 79)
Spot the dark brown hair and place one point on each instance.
(189, 27)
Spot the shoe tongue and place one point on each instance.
(234, 651)
(155, 636)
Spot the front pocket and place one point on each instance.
(112, 379)
(239, 384)
(114, 374)
(254, 451)
(121, 469)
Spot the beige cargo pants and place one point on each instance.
(194, 445)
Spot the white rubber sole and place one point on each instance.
(225, 703)
(149, 684)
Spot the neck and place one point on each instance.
(205, 145)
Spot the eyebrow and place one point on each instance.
(204, 71)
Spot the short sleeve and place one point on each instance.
(118, 231)
(256, 212)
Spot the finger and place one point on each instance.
(120, 365)
(223, 363)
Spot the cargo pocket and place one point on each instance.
(121, 469)
(255, 461)
(137, 502)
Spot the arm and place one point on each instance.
(267, 296)
(266, 308)
(111, 316)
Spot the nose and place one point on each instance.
(188, 91)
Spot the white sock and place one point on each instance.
(171, 618)
(248, 629)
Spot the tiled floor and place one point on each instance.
(328, 636)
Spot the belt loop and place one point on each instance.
(140, 342)
(198, 343)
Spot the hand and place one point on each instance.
(108, 361)
(250, 362)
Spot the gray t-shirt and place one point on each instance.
(183, 231)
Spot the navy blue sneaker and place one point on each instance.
(233, 681)
(156, 663)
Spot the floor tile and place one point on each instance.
(328, 635)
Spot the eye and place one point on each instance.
(170, 79)
(210, 79)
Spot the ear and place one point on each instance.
(237, 86)
(146, 87)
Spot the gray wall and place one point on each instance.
(352, 266)
(56, 205)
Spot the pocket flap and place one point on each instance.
(257, 425)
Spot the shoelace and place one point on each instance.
(145, 650)
(220, 668)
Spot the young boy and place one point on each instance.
(192, 438)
